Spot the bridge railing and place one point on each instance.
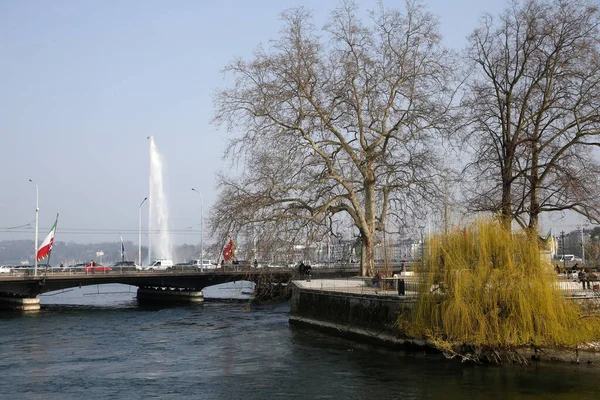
(27, 272)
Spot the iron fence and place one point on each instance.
(397, 286)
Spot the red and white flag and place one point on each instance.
(229, 250)
(48, 242)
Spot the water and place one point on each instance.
(108, 347)
(158, 210)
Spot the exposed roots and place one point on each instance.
(270, 287)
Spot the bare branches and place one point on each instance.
(533, 107)
(342, 121)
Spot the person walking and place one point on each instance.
(587, 279)
(376, 281)
(582, 276)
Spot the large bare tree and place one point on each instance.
(343, 121)
(533, 102)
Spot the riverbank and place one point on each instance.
(353, 308)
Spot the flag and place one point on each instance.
(229, 250)
(47, 244)
(122, 250)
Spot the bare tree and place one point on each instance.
(345, 120)
(533, 104)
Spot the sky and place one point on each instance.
(83, 84)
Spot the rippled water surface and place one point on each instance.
(92, 344)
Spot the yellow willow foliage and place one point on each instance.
(488, 288)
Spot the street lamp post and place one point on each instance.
(201, 229)
(140, 233)
(37, 210)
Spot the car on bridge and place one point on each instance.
(23, 269)
(126, 266)
(75, 267)
(203, 264)
(162, 264)
(5, 269)
(50, 268)
(97, 268)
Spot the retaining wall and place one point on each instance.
(349, 311)
(359, 315)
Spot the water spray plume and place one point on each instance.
(158, 206)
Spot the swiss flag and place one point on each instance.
(229, 251)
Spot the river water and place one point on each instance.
(98, 343)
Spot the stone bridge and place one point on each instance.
(18, 289)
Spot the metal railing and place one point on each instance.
(398, 286)
(410, 286)
(575, 288)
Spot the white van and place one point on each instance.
(162, 264)
(204, 264)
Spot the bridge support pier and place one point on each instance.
(169, 295)
(14, 302)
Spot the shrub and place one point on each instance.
(485, 292)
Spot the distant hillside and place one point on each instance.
(14, 252)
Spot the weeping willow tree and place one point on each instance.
(485, 293)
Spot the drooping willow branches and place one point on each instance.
(486, 291)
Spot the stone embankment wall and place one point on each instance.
(349, 310)
(353, 309)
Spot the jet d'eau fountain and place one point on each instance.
(159, 240)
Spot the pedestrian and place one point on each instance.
(588, 276)
(376, 280)
(592, 278)
(582, 276)
(301, 268)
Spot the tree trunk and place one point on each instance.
(367, 256)
(368, 232)
(506, 214)
(534, 206)
(506, 205)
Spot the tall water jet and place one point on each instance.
(159, 240)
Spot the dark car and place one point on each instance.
(125, 266)
(75, 267)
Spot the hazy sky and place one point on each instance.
(84, 83)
